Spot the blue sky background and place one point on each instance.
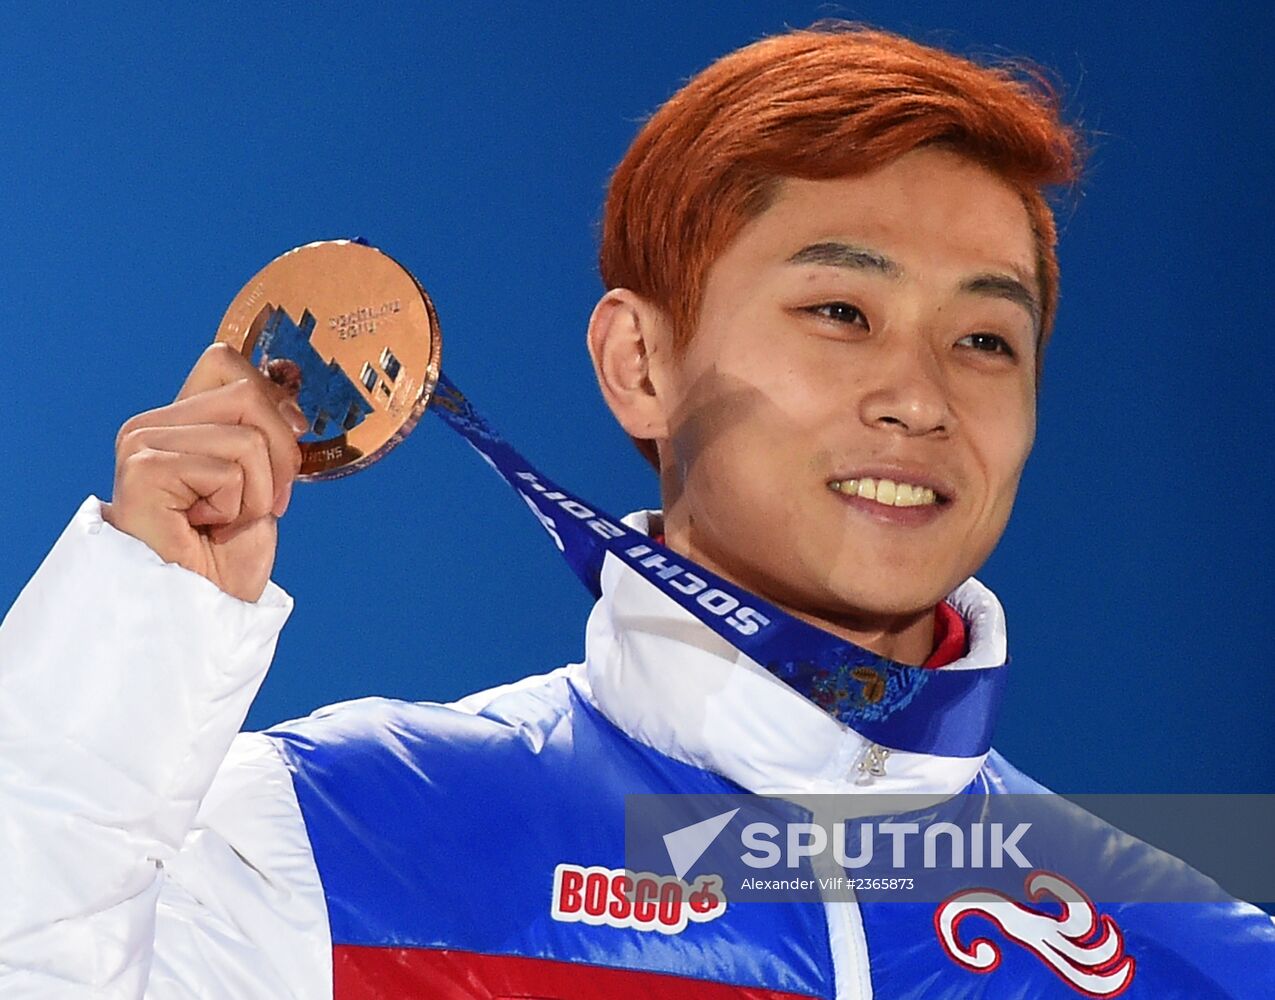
(155, 156)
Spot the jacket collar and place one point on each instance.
(671, 683)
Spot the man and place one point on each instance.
(830, 278)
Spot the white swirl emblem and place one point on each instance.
(1084, 948)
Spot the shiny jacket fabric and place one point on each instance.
(386, 849)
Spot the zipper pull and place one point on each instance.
(871, 764)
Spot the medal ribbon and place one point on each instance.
(945, 712)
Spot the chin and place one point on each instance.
(890, 606)
(887, 602)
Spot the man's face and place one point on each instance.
(861, 330)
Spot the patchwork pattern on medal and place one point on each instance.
(328, 398)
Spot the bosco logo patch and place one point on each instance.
(641, 900)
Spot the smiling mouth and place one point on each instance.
(887, 492)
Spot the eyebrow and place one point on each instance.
(847, 255)
(859, 258)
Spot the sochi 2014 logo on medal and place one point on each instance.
(353, 336)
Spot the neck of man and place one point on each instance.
(905, 638)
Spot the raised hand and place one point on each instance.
(204, 480)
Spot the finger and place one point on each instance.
(219, 365)
(242, 402)
(201, 489)
(241, 443)
(222, 533)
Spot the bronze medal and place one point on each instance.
(353, 335)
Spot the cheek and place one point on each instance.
(741, 456)
(1007, 442)
(737, 448)
(745, 407)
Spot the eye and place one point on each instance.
(988, 343)
(838, 312)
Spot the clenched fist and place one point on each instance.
(204, 480)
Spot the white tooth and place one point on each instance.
(927, 496)
(903, 496)
(885, 492)
(852, 487)
(868, 489)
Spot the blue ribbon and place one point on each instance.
(945, 712)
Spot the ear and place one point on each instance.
(629, 342)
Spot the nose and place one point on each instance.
(907, 395)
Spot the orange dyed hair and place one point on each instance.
(825, 102)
